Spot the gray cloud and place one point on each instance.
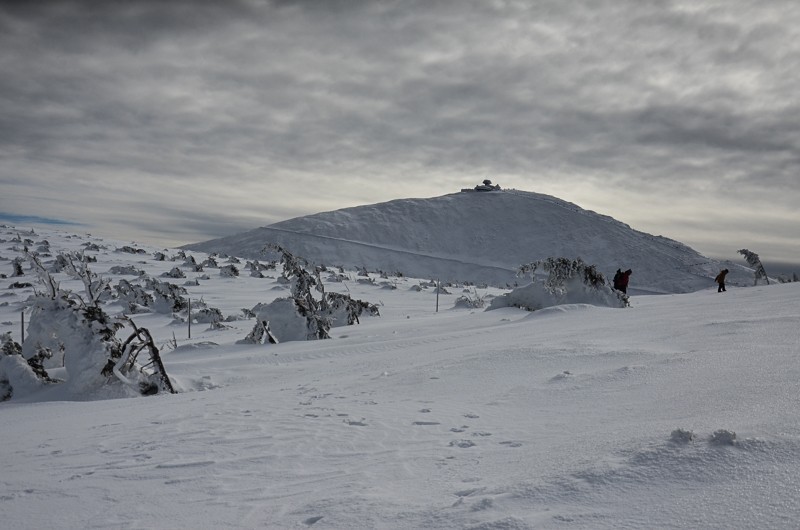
(252, 112)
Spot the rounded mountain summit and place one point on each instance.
(481, 238)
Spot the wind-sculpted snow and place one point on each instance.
(484, 238)
(676, 412)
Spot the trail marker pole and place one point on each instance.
(22, 327)
(189, 317)
(438, 288)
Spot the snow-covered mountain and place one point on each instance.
(482, 238)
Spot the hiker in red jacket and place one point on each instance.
(621, 281)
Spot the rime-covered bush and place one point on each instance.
(228, 271)
(134, 297)
(129, 270)
(567, 282)
(207, 315)
(343, 309)
(755, 262)
(167, 297)
(309, 304)
(470, 301)
(131, 250)
(175, 272)
(73, 332)
(16, 266)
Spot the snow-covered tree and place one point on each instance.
(16, 265)
(320, 311)
(84, 335)
(755, 262)
(567, 282)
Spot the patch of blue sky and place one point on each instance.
(34, 219)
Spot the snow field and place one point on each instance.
(560, 418)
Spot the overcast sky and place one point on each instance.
(176, 122)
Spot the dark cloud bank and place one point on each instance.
(676, 117)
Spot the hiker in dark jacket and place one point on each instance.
(623, 281)
(720, 279)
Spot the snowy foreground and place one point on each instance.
(678, 412)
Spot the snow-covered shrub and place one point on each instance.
(134, 297)
(16, 266)
(568, 282)
(319, 312)
(342, 308)
(228, 271)
(207, 315)
(84, 334)
(260, 334)
(126, 270)
(167, 297)
(17, 374)
(131, 250)
(58, 264)
(723, 437)
(76, 264)
(755, 262)
(192, 264)
(175, 272)
(681, 436)
(471, 300)
(285, 320)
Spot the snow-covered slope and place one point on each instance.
(482, 238)
(678, 412)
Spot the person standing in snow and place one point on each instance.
(622, 281)
(720, 279)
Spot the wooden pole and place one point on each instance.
(22, 327)
(189, 317)
(438, 287)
